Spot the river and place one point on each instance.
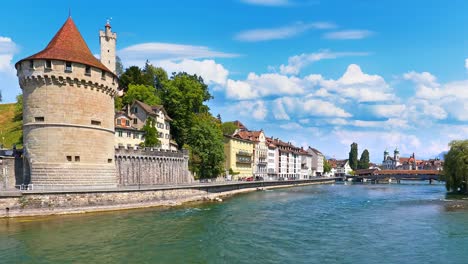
(405, 223)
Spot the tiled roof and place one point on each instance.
(151, 109)
(250, 135)
(68, 45)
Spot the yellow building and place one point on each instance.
(238, 154)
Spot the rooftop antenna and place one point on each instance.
(69, 12)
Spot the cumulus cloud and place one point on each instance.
(305, 107)
(291, 126)
(212, 72)
(254, 109)
(360, 86)
(264, 85)
(255, 35)
(297, 62)
(157, 51)
(9, 83)
(348, 34)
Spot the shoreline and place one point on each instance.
(31, 204)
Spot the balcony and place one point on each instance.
(244, 161)
(262, 163)
(244, 153)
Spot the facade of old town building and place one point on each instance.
(68, 114)
(139, 113)
(126, 133)
(317, 161)
(260, 150)
(403, 163)
(238, 154)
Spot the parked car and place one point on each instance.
(250, 178)
(258, 178)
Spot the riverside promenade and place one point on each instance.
(54, 202)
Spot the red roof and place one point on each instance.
(68, 45)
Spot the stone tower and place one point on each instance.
(68, 111)
(107, 40)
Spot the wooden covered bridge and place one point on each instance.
(377, 175)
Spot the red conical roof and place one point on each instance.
(68, 45)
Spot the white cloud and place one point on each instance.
(265, 34)
(466, 64)
(305, 107)
(359, 86)
(255, 109)
(348, 34)
(279, 112)
(396, 110)
(156, 51)
(291, 126)
(209, 70)
(268, 2)
(297, 62)
(264, 85)
(9, 82)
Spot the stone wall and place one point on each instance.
(139, 167)
(29, 203)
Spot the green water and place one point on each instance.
(312, 224)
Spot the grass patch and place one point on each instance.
(10, 130)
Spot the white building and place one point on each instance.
(317, 161)
(272, 160)
(139, 112)
(342, 168)
(306, 165)
(127, 135)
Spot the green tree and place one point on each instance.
(326, 166)
(183, 97)
(118, 66)
(456, 167)
(229, 128)
(18, 108)
(206, 146)
(353, 156)
(364, 160)
(140, 92)
(132, 75)
(154, 76)
(151, 133)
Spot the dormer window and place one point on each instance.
(31, 64)
(68, 66)
(103, 75)
(88, 70)
(48, 64)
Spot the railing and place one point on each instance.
(244, 153)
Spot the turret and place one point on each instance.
(385, 155)
(396, 155)
(107, 40)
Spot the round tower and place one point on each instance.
(396, 155)
(68, 111)
(385, 155)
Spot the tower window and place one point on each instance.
(48, 64)
(95, 123)
(88, 70)
(39, 119)
(109, 160)
(68, 66)
(31, 64)
(77, 158)
(69, 158)
(103, 75)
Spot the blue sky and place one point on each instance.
(384, 74)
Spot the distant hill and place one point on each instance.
(10, 130)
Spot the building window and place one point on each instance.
(135, 121)
(109, 160)
(135, 109)
(95, 123)
(161, 135)
(31, 64)
(39, 119)
(103, 75)
(88, 70)
(167, 136)
(127, 122)
(167, 126)
(68, 66)
(120, 133)
(77, 158)
(129, 134)
(69, 158)
(48, 64)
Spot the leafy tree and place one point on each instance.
(206, 146)
(140, 92)
(353, 156)
(154, 76)
(364, 160)
(183, 97)
(118, 66)
(151, 133)
(118, 103)
(456, 167)
(326, 166)
(132, 75)
(229, 128)
(18, 108)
